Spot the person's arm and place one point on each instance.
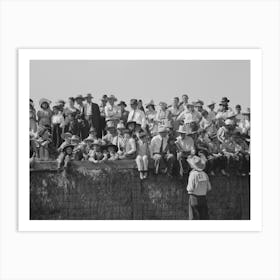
(191, 183)
(181, 116)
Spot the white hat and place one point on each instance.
(197, 163)
(229, 122)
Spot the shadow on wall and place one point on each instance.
(115, 192)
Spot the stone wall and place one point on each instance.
(113, 190)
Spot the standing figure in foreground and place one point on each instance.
(198, 186)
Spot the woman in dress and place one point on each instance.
(69, 110)
(45, 114)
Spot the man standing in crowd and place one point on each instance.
(136, 115)
(102, 106)
(184, 103)
(91, 114)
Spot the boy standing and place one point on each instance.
(198, 186)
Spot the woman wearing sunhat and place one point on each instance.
(198, 187)
(163, 114)
(57, 124)
(124, 112)
(44, 115)
(112, 111)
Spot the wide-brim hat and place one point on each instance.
(133, 102)
(122, 103)
(112, 97)
(161, 103)
(225, 100)
(185, 130)
(89, 96)
(229, 122)
(75, 138)
(66, 135)
(113, 146)
(196, 163)
(162, 129)
(110, 125)
(231, 115)
(120, 126)
(44, 100)
(192, 104)
(130, 122)
(151, 103)
(89, 139)
(67, 146)
(79, 96)
(199, 103)
(211, 103)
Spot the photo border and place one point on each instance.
(255, 57)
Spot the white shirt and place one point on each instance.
(137, 116)
(156, 144)
(198, 183)
(88, 109)
(57, 119)
(112, 112)
(186, 144)
(189, 117)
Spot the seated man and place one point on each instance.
(186, 148)
(159, 152)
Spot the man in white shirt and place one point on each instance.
(185, 101)
(198, 186)
(159, 154)
(186, 147)
(137, 115)
(190, 115)
(211, 112)
(112, 111)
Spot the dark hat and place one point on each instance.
(130, 122)
(113, 146)
(89, 96)
(238, 106)
(133, 102)
(122, 103)
(104, 97)
(225, 100)
(79, 96)
(67, 146)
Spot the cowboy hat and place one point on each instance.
(120, 125)
(162, 129)
(225, 100)
(79, 96)
(130, 122)
(112, 97)
(151, 103)
(196, 163)
(89, 96)
(211, 103)
(67, 146)
(199, 103)
(113, 146)
(66, 135)
(161, 103)
(44, 100)
(133, 101)
(122, 103)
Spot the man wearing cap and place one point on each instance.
(112, 111)
(136, 115)
(92, 114)
(198, 187)
(159, 153)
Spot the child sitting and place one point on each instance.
(67, 140)
(43, 142)
(129, 151)
(142, 155)
(95, 154)
(68, 155)
(112, 152)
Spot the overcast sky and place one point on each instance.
(143, 79)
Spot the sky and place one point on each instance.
(158, 80)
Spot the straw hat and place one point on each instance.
(79, 96)
(130, 122)
(229, 122)
(164, 104)
(231, 115)
(89, 139)
(162, 129)
(89, 96)
(44, 100)
(120, 126)
(112, 97)
(199, 103)
(75, 138)
(185, 130)
(113, 146)
(196, 163)
(151, 103)
(211, 103)
(66, 135)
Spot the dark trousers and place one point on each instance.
(198, 209)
